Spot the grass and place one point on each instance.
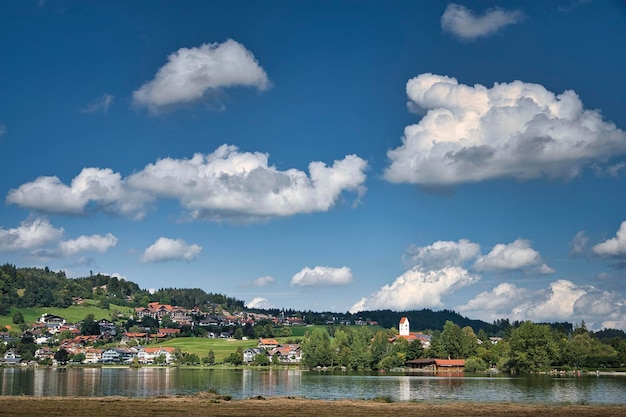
(72, 314)
(201, 346)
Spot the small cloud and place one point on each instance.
(322, 275)
(32, 233)
(417, 288)
(95, 243)
(614, 247)
(263, 281)
(165, 249)
(465, 24)
(99, 105)
(579, 244)
(513, 256)
(441, 254)
(191, 73)
(259, 302)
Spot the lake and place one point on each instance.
(245, 383)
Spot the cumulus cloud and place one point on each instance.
(31, 233)
(417, 288)
(562, 300)
(465, 24)
(614, 247)
(322, 275)
(191, 73)
(259, 302)
(95, 243)
(226, 184)
(91, 190)
(165, 249)
(263, 281)
(512, 130)
(441, 254)
(512, 256)
(99, 105)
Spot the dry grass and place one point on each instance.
(208, 404)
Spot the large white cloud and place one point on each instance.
(96, 243)
(561, 301)
(512, 130)
(512, 256)
(464, 23)
(226, 184)
(191, 72)
(417, 288)
(614, 247)
(322, 275)
(441, 254)
(166, 249)
(30, 234)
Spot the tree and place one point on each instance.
(89, 326)
(18, 318)
(211, 357)
(316, 349)
(533, 348)
(262, 359)
(62, 356)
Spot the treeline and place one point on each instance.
(41, 287)
(526, 347)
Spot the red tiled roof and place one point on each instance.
(450, 362)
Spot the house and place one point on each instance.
(135, 336)
(250, 353)
(117, 355)
(44, 353)
(51, 321)
(93, 355)
(267, 343)
(11, 357)
(149, 354)
(437, 365)
(287, 353)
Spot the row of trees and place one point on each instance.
(528, 347)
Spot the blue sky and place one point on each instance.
(336, 155)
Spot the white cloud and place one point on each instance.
(322, 275)
(561, 301)
(96, 243)
(263, 281)
(165, 249)
(192, 72)
(512, 130)
(101, 104)
(259, 302)
(230, 184)
(579, 244)
(92, 189)
(417, 288)
(512, 256)
(614, 247)
(225, 184)
(462, 22)
(441, 254)
(32, 233)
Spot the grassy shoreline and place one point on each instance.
(215, 405)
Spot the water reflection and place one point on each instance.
(94, 382)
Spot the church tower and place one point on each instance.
(404, 327)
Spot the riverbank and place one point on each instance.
(216, 405)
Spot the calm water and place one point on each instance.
(95, 382)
